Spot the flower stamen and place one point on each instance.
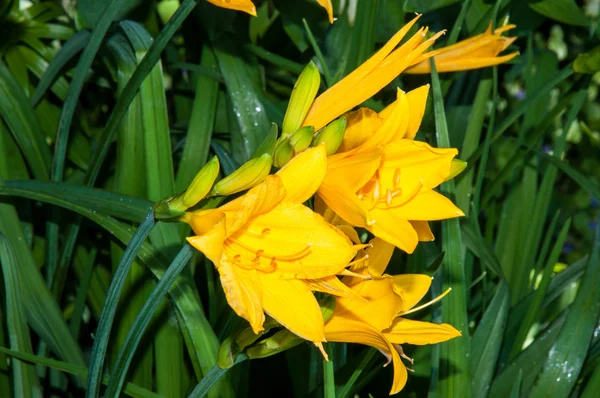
(435, 300)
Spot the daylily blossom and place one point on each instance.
(239, 5)
(383, 180)
(268, 247)
(374, 315)
(473, 53)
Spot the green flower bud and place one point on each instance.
(331, 136)
(250, 174)
(284, 152)
(302, 138)
(175, 206)
(280, 341)
(303, 95)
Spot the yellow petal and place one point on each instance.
(389, 226)
(419, 333)
(260, 199)
(293, 305)
(294, 240)
(211, 241)
(412, 288)
(302, 176)
(239, 5)
(360, 126)
(367, 79)
(326, 4)
(379, 254)
(423, 231)
(243, 292)
(344, 203)
(417, 101)
(350, 330)
(330, 285)
(413, 166)
(393, 126)
(382, 303)
(352, 172)
(428, 206)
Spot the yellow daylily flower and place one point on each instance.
(476, 52)
(239, 5)
(268, 247)
(374, 315)
(410, 57)
(383, 180)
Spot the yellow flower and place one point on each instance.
(239, 5)
(266, 246)
(386, 64)
(326, 4)
(473, 53)
(373, 316)
(383, 180)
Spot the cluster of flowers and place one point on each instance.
(360, 170)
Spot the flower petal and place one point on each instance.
(293, 305)
(388, 225)
(428, 206)
(345, 203)
(407, 331)
(239, 5)
(382, 303)
(212, 227)
(354, 171)
(360, 126)
(330, 285)
(423, 231)
(366, 80)
(326, 4)
(417, 101)
(243, 292)
(412, 288)
(303, 175)
(295, 240)
(394, 125)
(414, 166)
(379, 254)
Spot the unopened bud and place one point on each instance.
(331, 136)
(201, 184)
(175, 206)
(280, 341)
(303, 95)
(456, 167)
(284, 152)
(302, 138)
(250, 174)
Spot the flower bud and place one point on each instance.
(250, 174)
(303, 95)
(284, 152)
(331, 136)
(280, 341)
(456, 167)
(302, 138)
(175, 206)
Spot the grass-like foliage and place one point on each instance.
(116, 117)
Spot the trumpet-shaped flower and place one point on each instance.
(383, 180)
(473, 53)
(373, 316)
(268, 246)
(239, 5)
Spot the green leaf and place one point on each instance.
(25, 382)
(130, 389)
(105, 202)
(455, 366)
(565, 11)
(487, 339)
(23, 123)
(588, 62)
(67, 52)
(564, 362)
(91, 11)
(423, 6)
(119, 370)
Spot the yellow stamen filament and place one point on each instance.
(346, 272)
(435, 300)
(255, 263)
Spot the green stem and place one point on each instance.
(328, 374)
